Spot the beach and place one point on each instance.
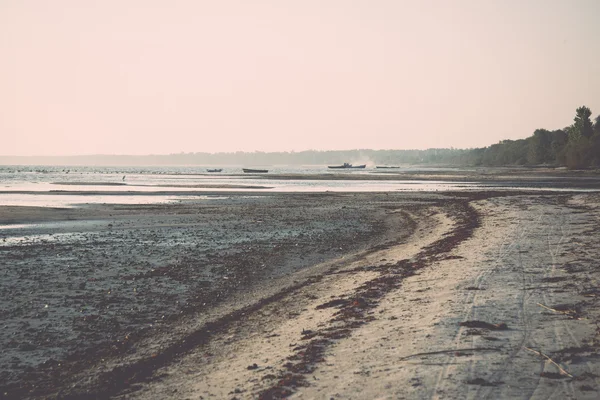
(503, 305)
(299, 200)
(453, 294)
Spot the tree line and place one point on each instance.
(576, 146)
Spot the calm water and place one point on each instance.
(59, 186)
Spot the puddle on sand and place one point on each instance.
(14, 226)
(67, 200)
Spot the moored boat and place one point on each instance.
(214, 170)
(255, 171)
(346, 166)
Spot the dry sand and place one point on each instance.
(481, 295)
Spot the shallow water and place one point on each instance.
(61, 186)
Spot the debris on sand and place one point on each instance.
(333, 303)
(481, 382)
(484, 325)
(553, 375)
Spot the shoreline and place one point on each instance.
(317, 331)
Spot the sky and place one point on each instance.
(167, 76)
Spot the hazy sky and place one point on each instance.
(150, 76)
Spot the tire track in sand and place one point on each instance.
(528, 228)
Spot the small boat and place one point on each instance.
(346, 166)
(214, 170)
(255, 171)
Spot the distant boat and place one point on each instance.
(346, 166)
(385, 166)
(214, 170)
(255, 171)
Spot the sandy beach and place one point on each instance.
(263, 200)
(321, 295)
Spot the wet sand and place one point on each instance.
(399, 295)
(81, 286)
(507, 176)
